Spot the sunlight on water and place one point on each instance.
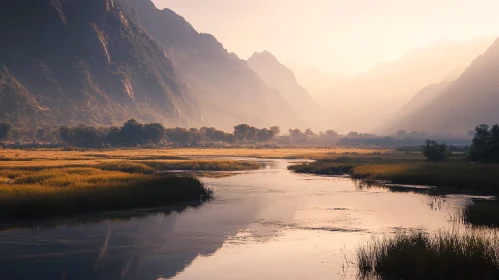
(263, 224)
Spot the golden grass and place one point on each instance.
(454, 174)
(8, 155)
(443, 255)
(52, 192)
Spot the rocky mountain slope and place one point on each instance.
(229, 91)
(72, 62)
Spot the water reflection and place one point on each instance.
(263, 224)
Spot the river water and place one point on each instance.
(265, 224)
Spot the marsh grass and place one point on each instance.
(204, 165)
(481, 213)
(54, 192)
(13, 155)
(126, 166)
(444, 255)
(148, 167)
(453, 175)
(322, 168)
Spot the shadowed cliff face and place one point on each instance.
(68, 62)
(230, 92)
(463, 104)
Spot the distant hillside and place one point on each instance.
(419, 101)
(471, 99)
(365, 101)
(229, 91)
(278, 76)
(72, 62)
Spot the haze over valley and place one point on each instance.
(109, 61)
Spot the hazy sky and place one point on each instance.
(337, 35)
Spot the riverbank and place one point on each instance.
(27, 194)
(454, 174)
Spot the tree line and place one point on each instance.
(485, 144)
(133, 133)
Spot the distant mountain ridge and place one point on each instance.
(277, 75)
(229, 91)
(470, 100)
(83, 62)
(365, 101)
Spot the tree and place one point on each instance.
(241, 131)
(414, 134)
(114, 136)
(4, 130)
(131, 133)
(265, 135)
(276, 130)
(485, 144)
(310, 134)
(401, 134)
(435, 152)
(179, 135)
(153, 132)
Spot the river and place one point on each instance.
(265, 224)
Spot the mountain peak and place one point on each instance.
(264, 55)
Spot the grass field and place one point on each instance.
(444, 255)
(9, 155)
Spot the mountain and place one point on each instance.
(418, 102)
(229, 91)
(470, 100)
(365, 101)
(278, 76)
(83, 62)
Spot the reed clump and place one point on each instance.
(418, 255)
(481, 213)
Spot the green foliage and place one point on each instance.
(417, 255)
(485, 145)
(435, 152)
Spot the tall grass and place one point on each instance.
(204, 165)
(322, 168)
(481, 213)
(54, 192)
(459, 176)
(417, 255)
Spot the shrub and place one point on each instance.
(435, 152)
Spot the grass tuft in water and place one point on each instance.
(481, 213)
(418, 255)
